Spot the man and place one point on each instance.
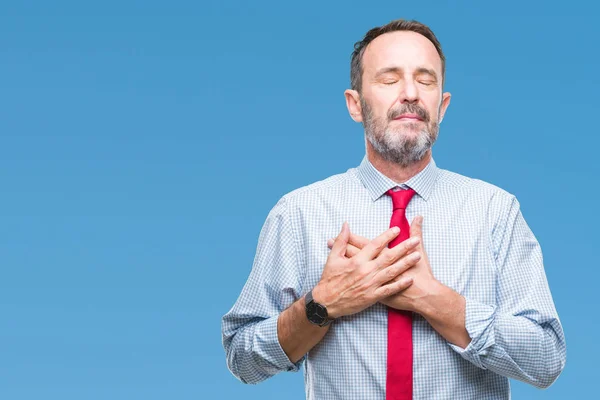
(450, 313)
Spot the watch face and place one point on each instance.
(316, 313)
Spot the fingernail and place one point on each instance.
(395, 229)
(414, 240)
(415, 256)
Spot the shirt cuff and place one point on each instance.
(268, 347)
(479, 322)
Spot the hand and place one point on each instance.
(441, 306)
(351, 284)
(423, 281)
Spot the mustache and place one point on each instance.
(409, 108)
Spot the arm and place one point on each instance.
(521, 337)
(250, 328)
(297, 334)
(444, 309)
(262, 336)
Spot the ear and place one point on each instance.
(444, 105)
(353, 104)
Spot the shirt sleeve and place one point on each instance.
(521, 336)
(249, 329)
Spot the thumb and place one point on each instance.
(341, 241)
(416, 228)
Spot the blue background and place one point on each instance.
(143, 144)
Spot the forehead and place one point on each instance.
(404, 49)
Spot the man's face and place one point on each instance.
(401, 97)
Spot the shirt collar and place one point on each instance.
(378, 184)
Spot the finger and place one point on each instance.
(341, 241)
(416, 227)
(375, 246)
(355, 240)
(389, 256)
(393, 288)
(358, 241)
(351, 251)
(401, 266)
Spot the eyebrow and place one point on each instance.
(420, 71)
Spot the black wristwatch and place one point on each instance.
(315, 312)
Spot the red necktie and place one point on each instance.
(399, 380)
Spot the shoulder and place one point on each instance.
(495, 206)
(325, 190)
(493, 203)
(477, 189)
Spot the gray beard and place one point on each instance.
(394, 145)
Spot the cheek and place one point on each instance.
(433, 108)
(384, 98)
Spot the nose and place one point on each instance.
(409, 92)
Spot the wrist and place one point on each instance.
(435, 295)
(322, 296)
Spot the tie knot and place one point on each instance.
(401, 198)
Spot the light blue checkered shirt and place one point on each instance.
(478, 244)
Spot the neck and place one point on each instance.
(395, 172)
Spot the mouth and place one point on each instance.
(409, 117)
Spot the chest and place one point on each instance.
(456, 239)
